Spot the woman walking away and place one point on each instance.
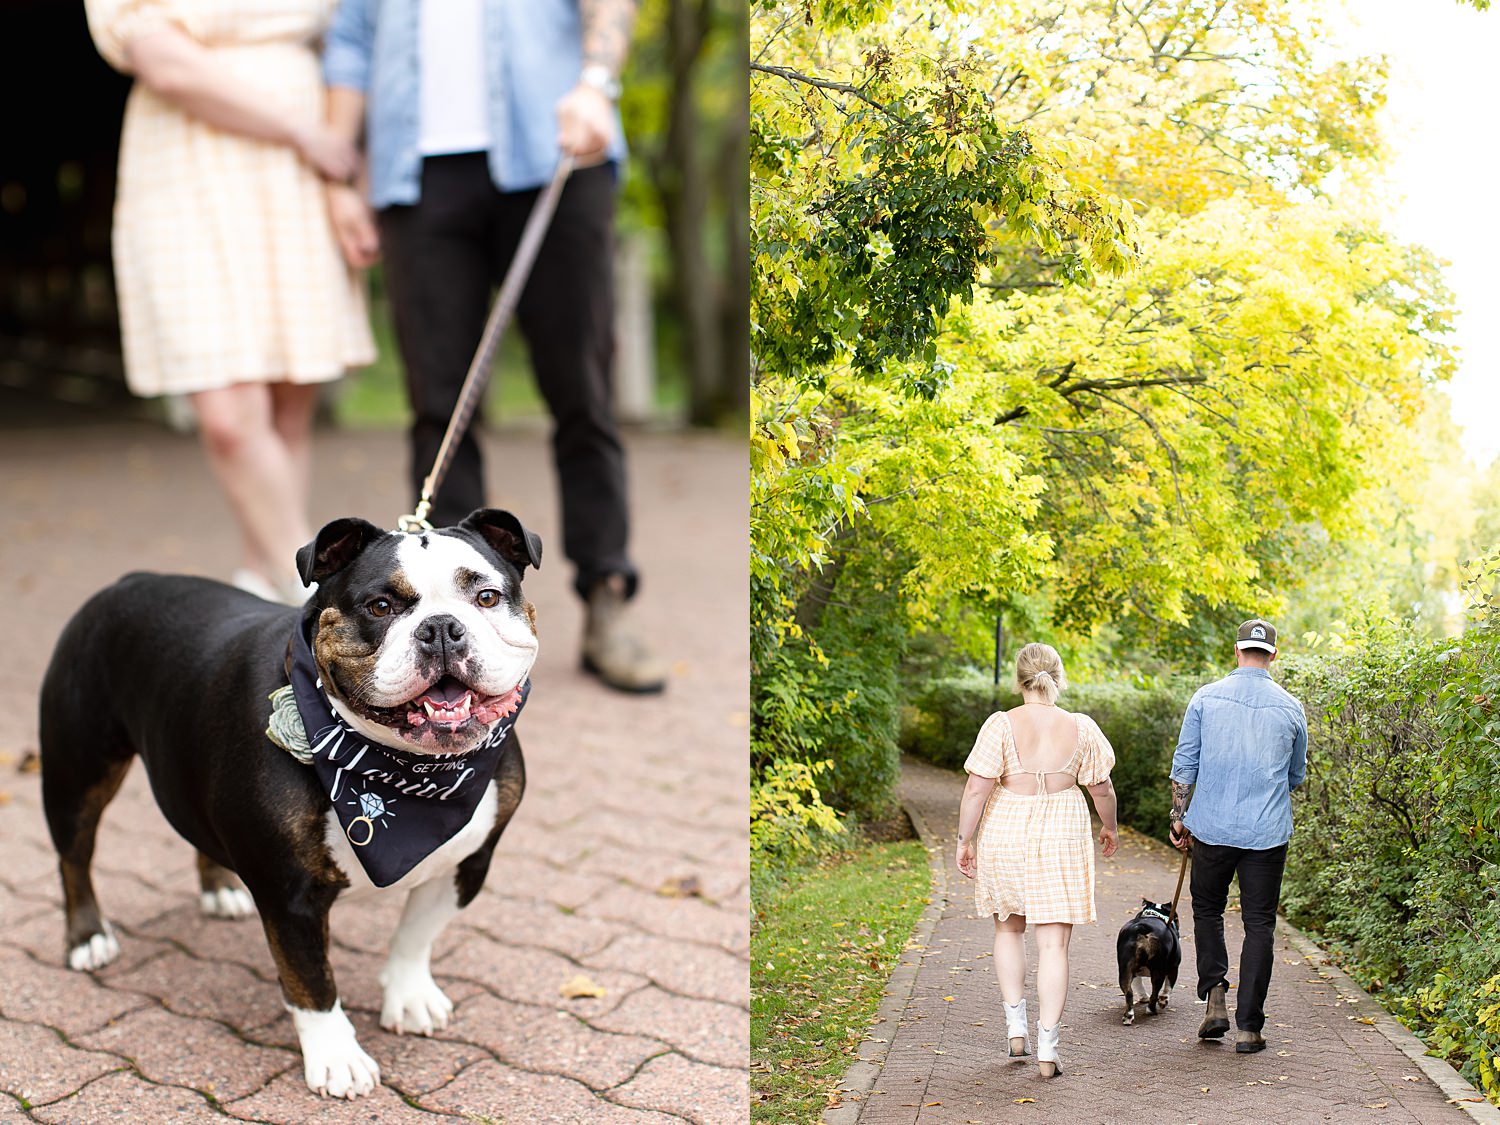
(1026, 842)
(232, 287)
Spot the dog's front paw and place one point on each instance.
(333, 1062)
(413, 1001)
(227, 902)
(95, 951)
(346, 1073)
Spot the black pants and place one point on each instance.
(443, 256)
(1214, 865)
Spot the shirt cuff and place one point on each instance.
(346, 65)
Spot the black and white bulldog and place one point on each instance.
(361, 745)
(1149, 947)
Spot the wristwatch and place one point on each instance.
(599, 77)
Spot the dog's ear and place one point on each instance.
(504, 533)
(335, 547)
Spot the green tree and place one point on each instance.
(985, 381)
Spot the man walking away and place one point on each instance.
(1242, 750)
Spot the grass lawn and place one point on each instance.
(825, 942)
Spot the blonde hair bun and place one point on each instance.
(1039, 669)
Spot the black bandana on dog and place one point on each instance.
(396, 808)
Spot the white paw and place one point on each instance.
(95, 953)
(413, 1001)
(333, 1062)
(227, 902)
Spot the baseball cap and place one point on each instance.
(1256, 633)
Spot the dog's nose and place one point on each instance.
(441, 631)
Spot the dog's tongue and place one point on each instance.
(446, 691)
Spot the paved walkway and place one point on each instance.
(631, 803)
(945, 1062)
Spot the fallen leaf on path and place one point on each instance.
(1377, 1105)
(1023, 1101)
(1203, 1088)
(681, 886)
(1411, 1078)
(30, 763)
(576, 988)
(926, 1104)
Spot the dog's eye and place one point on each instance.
(379, 607)
(488, 599)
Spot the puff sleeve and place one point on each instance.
(987, 759)
(1097, 757)
(114, 23)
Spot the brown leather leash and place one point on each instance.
(1177, 894)
(500, 314)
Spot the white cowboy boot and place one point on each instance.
(1015, 1027)
(1047, 1061)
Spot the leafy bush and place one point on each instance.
(1396, 858)
(827, 696)
(788, 819)
(1140, 721)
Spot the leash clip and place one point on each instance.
(416, 523)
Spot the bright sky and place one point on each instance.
(1443, 119)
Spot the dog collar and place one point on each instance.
(396, 808)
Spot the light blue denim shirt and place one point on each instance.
(1244, 749)
(535, 58)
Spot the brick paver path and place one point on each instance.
(626, 796)
(946, 1061)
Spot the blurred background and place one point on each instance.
(683, 261)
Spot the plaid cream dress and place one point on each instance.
(225, 260)
(1035, 853)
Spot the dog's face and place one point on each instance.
(423, 640)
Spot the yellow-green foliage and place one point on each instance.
(788, 819)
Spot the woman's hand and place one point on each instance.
(1109, 840)
(966, 862)
(327, 153)
(353, 225)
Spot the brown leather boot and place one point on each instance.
(1248, 1042)
(1216, 1019)
(612, 650)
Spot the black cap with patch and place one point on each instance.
(1256, 633)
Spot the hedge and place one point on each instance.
(1395, 861)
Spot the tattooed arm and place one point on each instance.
(1185, 771)
(1181, 790)
(606, 32)
(585, 115)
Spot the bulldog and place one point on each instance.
(362, 745)
(1149, 947)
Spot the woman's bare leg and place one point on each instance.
(258, 474)
(292, 408)
(1010, 957)
(1051, 970)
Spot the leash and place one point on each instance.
(1177, 894)
(479, 368)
